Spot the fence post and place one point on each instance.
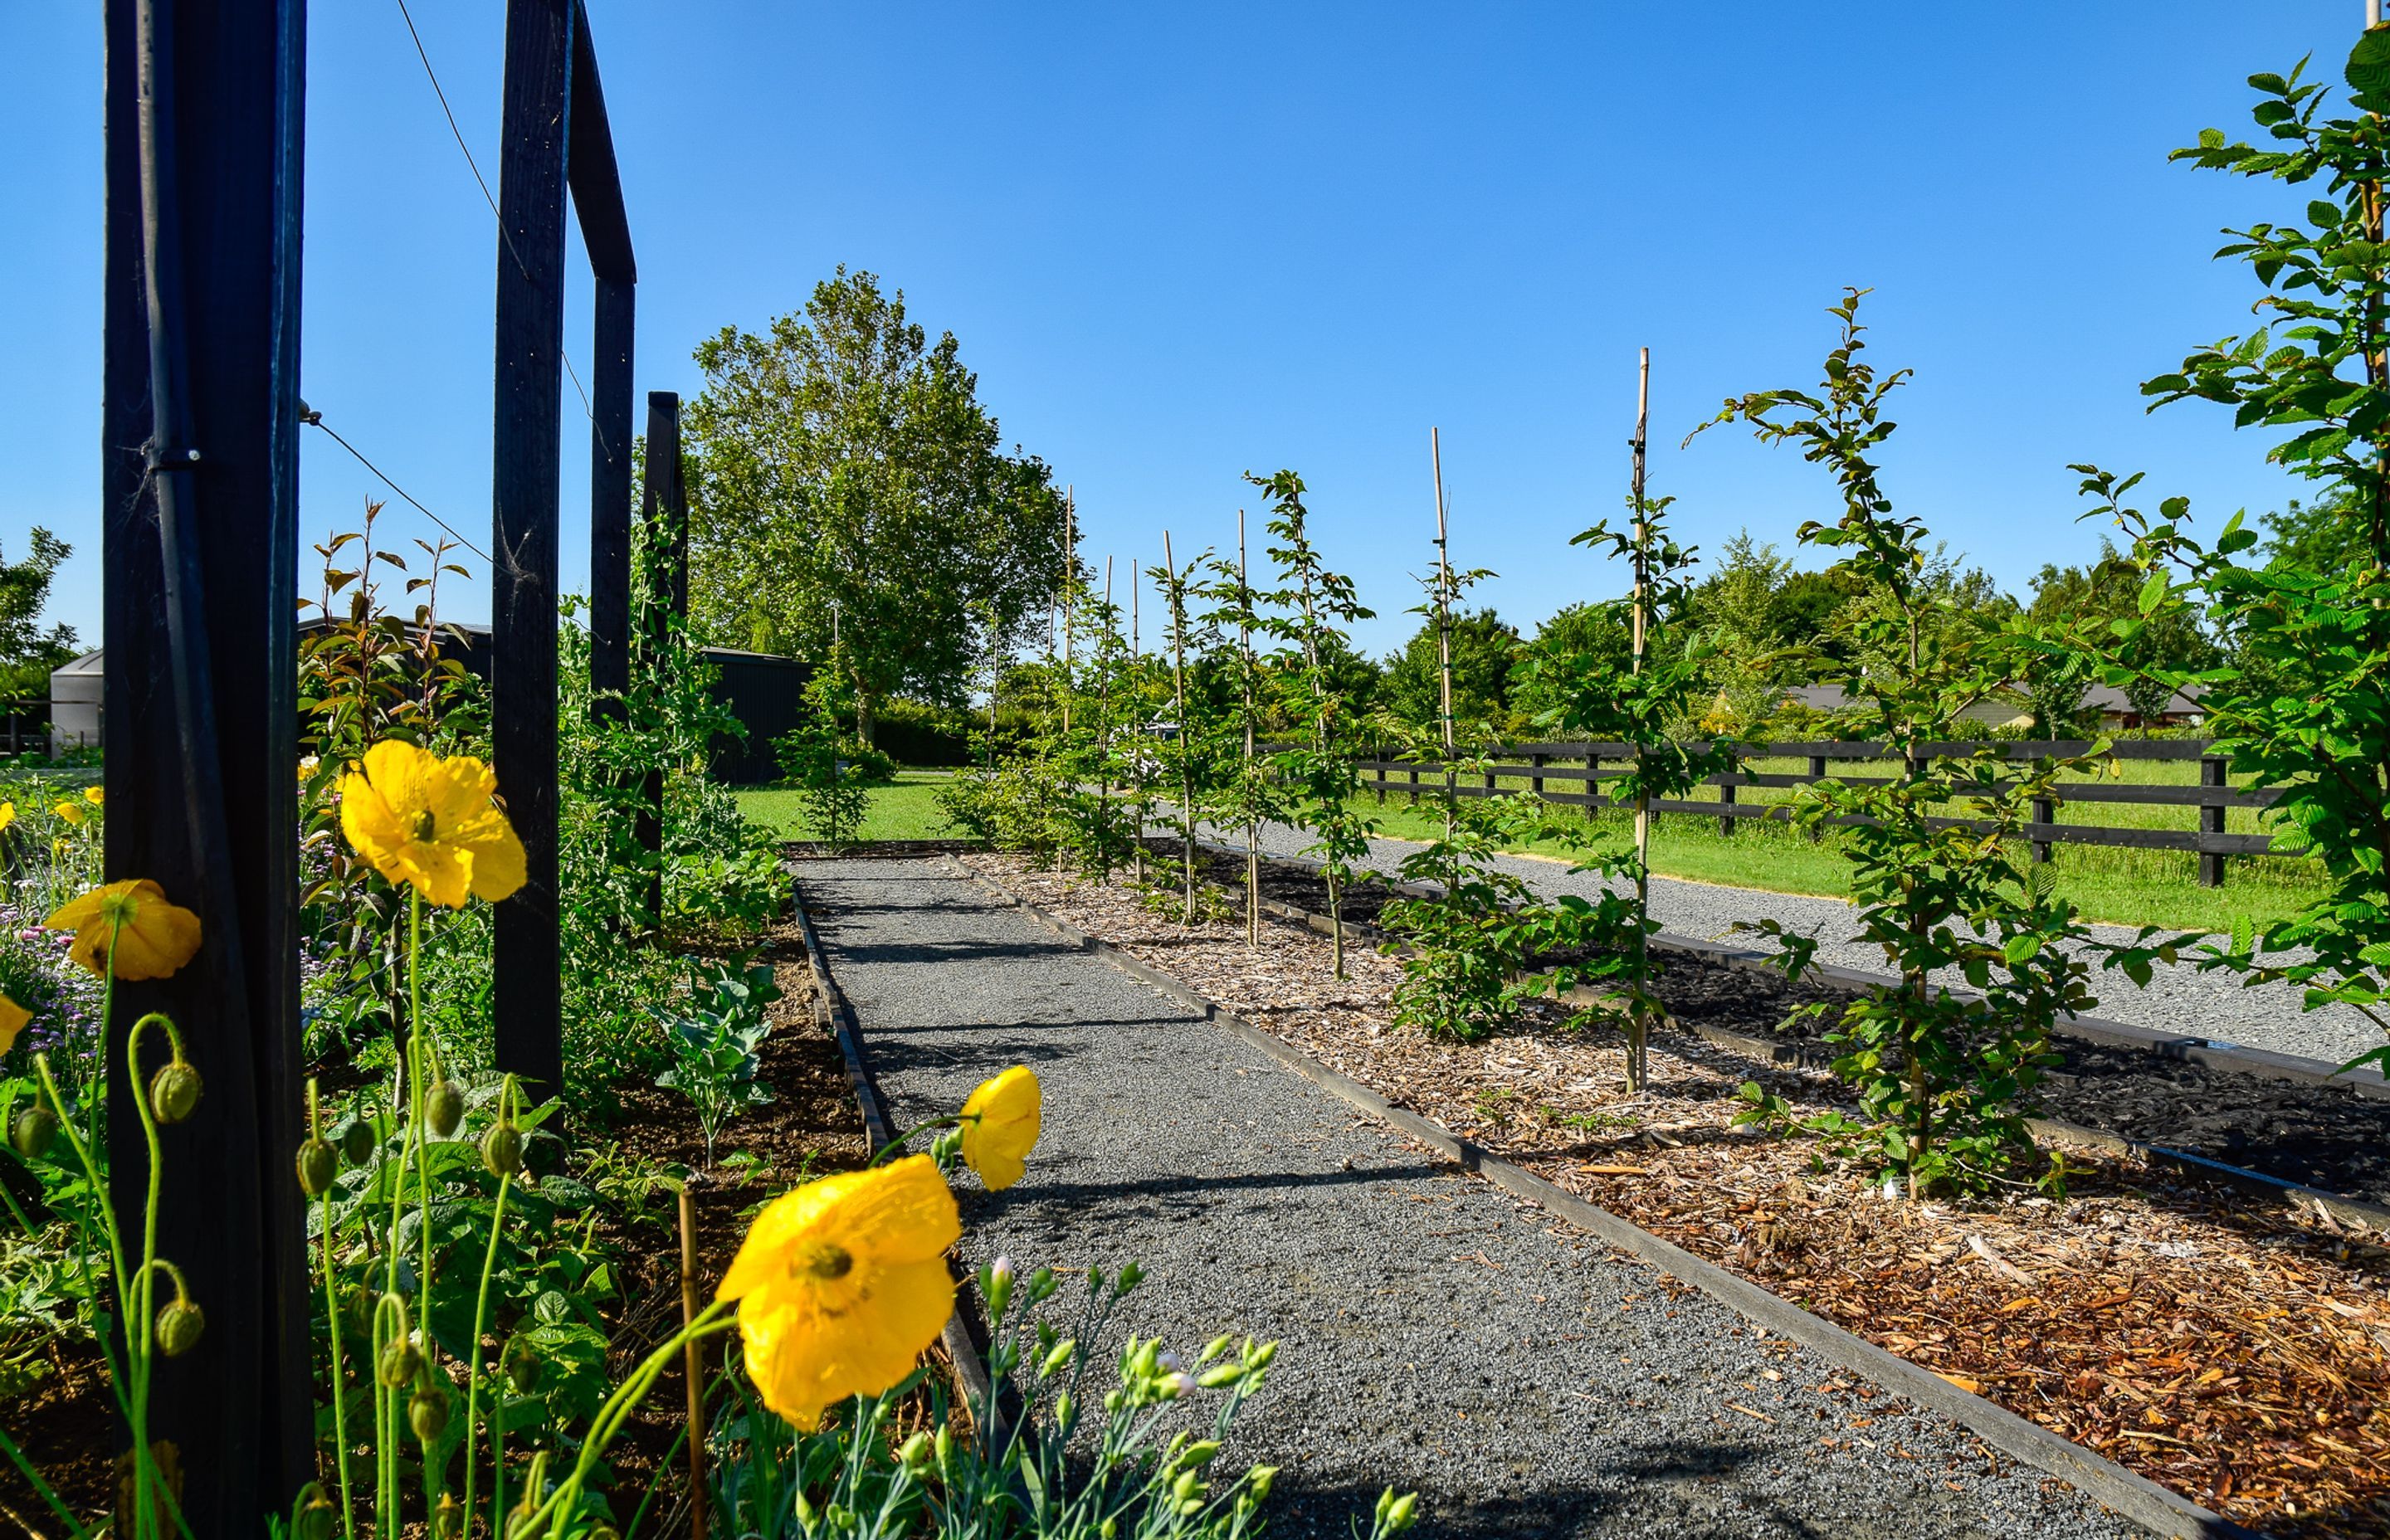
(1726, 791)
(1377, 776)
(1536, 783)
(199, 548)
(2044, 810)
(664, 522)
(2211, 821)
(1816, 772)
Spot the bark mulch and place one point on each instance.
(2234, 1351)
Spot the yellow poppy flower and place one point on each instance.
(70, 812)
(842, 1283)
(96, 795)
(7, 814)
(153, 938)
(1000, 1126)
(13, 1017)
(430, 821)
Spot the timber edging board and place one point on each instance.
(2135, 1497)
(965, 1333)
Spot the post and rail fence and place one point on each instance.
(1580, 765)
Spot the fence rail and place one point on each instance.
(1542, 765)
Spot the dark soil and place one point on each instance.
(2325, 1136)
(813, 1128)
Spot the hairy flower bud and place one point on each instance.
(444, 1108)
(427, 1411)
(448, 1519)
(315, 1517)
(522, 1368)
(35, 1131)
(400, 1362)
(502, 1149)
(357, 1142)
(318, 1164)
(175, 1090)
(180, 1326)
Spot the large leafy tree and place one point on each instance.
(27, 651)
(847, 481)
(1484, 646)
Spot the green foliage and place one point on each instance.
(1087, 1457)
(715, 1032)
(1187, 749)
(28, 652)
(2303, 708)
(1483, 645)
(1942, 1080)
(846, 479)
(834, 789)
(1315, 776)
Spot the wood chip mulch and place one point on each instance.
(2234, 1351)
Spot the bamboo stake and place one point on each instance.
(1104, 741)
(692, 1366)
(1186, 766)
(1253, 830)
(1069, 583)
(1639, 1029)
(1137, 676)
(1443, 622)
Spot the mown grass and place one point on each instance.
(907, 810)
(2123, 886)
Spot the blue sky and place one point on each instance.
(1178, 246)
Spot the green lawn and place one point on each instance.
(2124, 887)
(907, 810)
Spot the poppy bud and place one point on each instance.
(400, 1362)
(315, 1515)
(448, 1519)
(318, 1164)
(175, 1090)
(35, 1129)
(357, 1142)
(179, 1328)
(427, 1412)
(522, 1369)
(444, 1108)
(502, 1149)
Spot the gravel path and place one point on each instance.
(1437, 1334)
(2180, 999)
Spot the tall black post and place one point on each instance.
(609, 504)
(663, 519)
(531, 168)
(198, 494)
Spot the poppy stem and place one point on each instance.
(944, 1119)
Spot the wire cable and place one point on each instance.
(503, 234)
(316, 420)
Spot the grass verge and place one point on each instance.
(907, 810)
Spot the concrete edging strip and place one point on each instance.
(2134, 1497)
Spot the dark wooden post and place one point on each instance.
(523, 494)
(1536, 782)
(199, 499)
(606, 233)
(1816, 772)
(1725, 794)
(2044, 810)
(2211, 820)
(610, 503)
(664, 523)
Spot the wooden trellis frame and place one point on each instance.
(204, 151)
(556, 139)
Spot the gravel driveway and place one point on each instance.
(2180, 999)
(1436, 1333)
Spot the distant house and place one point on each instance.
(2117, 714)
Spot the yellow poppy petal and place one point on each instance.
(803, 1358)
(900, 1212)
(7, 814)
(96, 795)
(153, 938)
(13, 1017)
(1001, 1123)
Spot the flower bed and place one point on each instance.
(2236, 1353)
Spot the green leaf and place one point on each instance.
(2369, 64)
(2152, 594)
